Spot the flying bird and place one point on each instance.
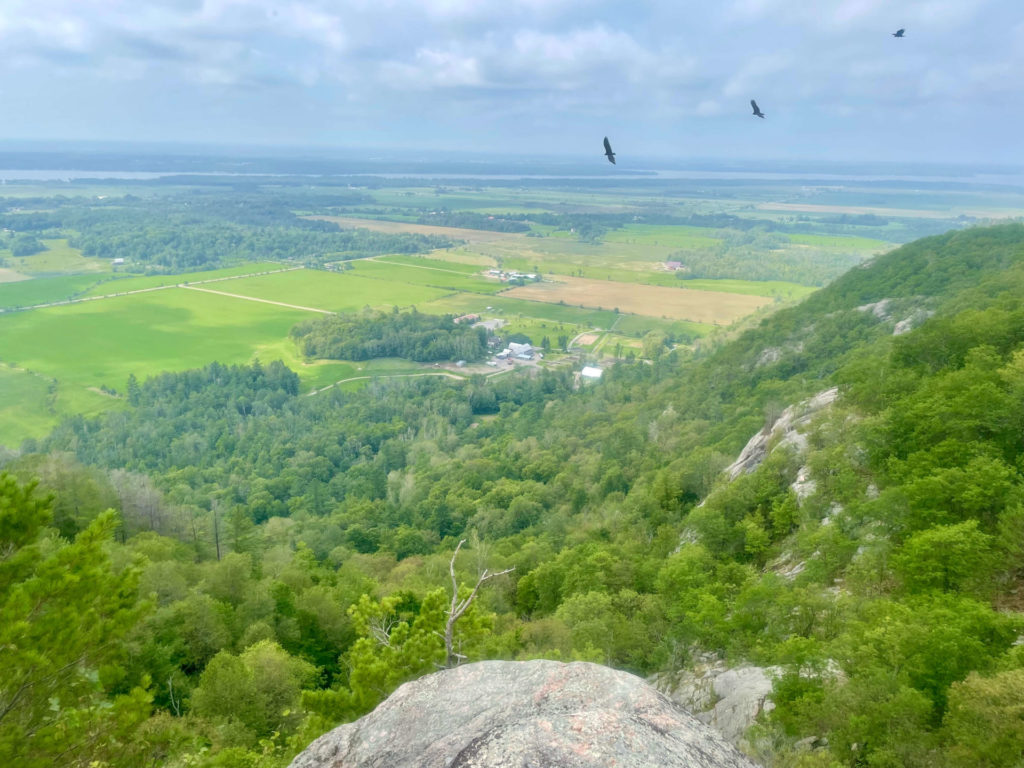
(898, 33)
(757, 109)
(608, 151)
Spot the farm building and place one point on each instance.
(590, 372)
(518, 350)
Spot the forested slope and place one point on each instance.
(281, 561)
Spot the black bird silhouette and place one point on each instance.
(898, 33)
(757, 110)
(608, 151)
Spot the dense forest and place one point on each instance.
(275, 564)
(195, 231)
(411, 335)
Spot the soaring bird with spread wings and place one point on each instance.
(757, 109)
(608, 151)
(899, 32)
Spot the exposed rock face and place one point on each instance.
(727, 699)
(787, 425)
(532, 714)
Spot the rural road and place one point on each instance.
(385, 376)
(154, 288)
(417, 266)
(262, 301)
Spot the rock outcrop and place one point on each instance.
(503, 714)
(727, 699)
(788, 426)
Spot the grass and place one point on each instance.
(426, 274)
(32, 404)
(99, 343)
(655, 301)
(840, 242)
(156, 281)
(434, 261)
(58, 258)
(331, 291)
(43, 290)
(512, 308)
(24, 408)
(770, 288)
(671, 236)
(638, 325)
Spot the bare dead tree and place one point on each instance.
(459, 607)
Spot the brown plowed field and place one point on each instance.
(650, 300)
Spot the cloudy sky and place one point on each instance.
(661, 77)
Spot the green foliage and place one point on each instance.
(259, 689)
(319, 529)
(984, 725)
(66, 613)
(410, 335)
(947, 558)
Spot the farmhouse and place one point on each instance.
(466, 319)
(672, 266)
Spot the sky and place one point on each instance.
(670, 78)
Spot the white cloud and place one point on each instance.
(533, 62)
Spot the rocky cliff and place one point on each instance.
(502, 714)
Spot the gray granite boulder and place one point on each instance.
(529, 714)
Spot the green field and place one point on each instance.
(156, 281)
(331, 291)
(24, 407)
(31, 405)
(43, 290)
(99, 343)
(508, 309)
(424, 261)
(59, 258)
(636, 325)
(773, 288)
(671, 236)
(842, 243)
(426, 274)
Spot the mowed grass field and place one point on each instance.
(429, 273)
(141, 282)
(652, 300)
(99, 343)
(331, 291)
(43, 290)
(670, 236)
(58, 258)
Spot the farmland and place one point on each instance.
(669, 259)
(673, 303)
(333, 292)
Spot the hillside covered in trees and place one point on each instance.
(277, 564)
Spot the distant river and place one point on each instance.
(1008, 179)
